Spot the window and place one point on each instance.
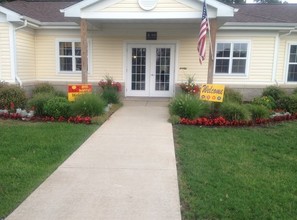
(231, 58)
(69, 56)
(292, 66)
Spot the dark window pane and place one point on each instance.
(65, 48)
(293, 54)
(65, 64)
(240, 50)
(292, 73)
(238, 66)
(223, 49)
(77, 49)
(222, 66)
(78, 64)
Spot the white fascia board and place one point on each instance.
(10, 15)
(222, 9)
(258, 26)
(75, 10)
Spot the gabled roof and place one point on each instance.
(247, 14)
(128, 10)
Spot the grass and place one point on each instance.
(238, 173)
(30, 152)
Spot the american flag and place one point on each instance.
(201, 47)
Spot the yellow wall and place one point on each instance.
(133, 6)
(5, 62)
(25, 47)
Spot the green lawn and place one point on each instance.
(29, 152)
(238, 173)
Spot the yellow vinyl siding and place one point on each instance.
(260, 62)
(46, 57)
(132, 6)
(108, 58)
(5, 58)
(25, 49)
(188, 61)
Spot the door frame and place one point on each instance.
(127, 74)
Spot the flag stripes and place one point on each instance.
(201, 47)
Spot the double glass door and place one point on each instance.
(150, 70)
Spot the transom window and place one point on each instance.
(292, 66)
(231, 58)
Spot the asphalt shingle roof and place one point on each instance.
(43, 11)
(266, 13)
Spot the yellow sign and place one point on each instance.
(212, 92)
(78, 89)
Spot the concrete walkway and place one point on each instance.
(125, 170)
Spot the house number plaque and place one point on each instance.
(151, 35)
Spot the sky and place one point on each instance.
(289, 1)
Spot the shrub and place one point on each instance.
(38, 102)
(12, 95)
(56, 107)
(88, 105)
(230, 95)
(288, 103)
(266, 101)
(273, 91)
(43, 88)
(110, 95)
(234, 111)
(258, 111)
(188, 106)
(174, 119)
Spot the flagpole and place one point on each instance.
(209, 35)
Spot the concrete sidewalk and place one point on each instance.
(125, 170)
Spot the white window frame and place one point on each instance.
(288, 62)
(231, 58)
(73, 41)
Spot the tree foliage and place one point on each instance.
(268, 1)
(231, 2)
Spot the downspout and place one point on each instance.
(275, 58)
(15, 52)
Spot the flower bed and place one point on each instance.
(76, 120)
(220, 121)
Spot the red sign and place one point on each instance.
(78, 89)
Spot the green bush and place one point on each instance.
(274, 91)
(56, 107)
(258, 111)
(266, 101)
(12, 94)
(88, 105)
(43, 88)
(188, 106)
(288, 103)
(38, 102)
(110, 95)
(230, 95)
(234, 111)
(294, 91)
(174, 119)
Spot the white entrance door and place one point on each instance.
(150, 70)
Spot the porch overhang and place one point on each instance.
(104, 10)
